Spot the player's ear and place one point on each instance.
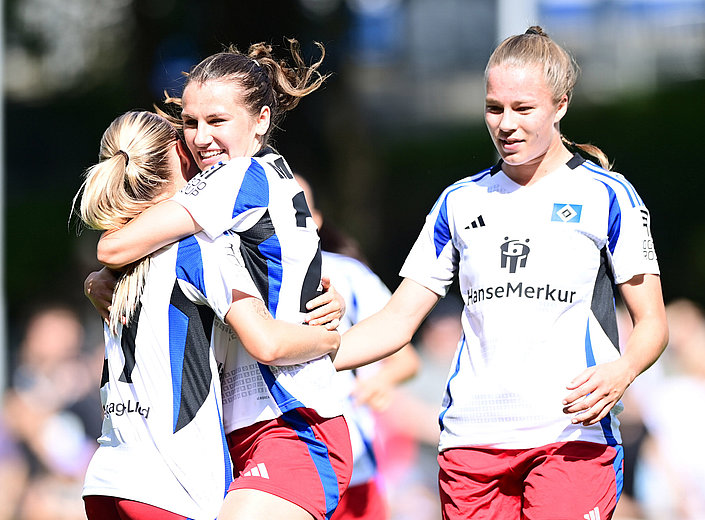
(561, 109)
(188, 164)
(263, 120)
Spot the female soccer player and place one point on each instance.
(287, 437)
(529, 424)
(162, 453)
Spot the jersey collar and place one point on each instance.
(265, 150)
(573, 163)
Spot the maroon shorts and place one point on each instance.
(300, 457)
(362, 502)
(100, 507)
(553, 482)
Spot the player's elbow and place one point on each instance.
(266, 349)
(266, 356)
(277, 349)
(111, 255)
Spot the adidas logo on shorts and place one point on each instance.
(260, 470)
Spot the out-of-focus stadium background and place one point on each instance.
(399, 119)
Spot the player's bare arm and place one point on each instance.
(388, 330)
(276, 342)
(154, 228)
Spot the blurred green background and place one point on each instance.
(399, 119)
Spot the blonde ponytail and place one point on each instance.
(133, 169)
(591, 152)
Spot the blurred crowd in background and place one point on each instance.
(51, 418)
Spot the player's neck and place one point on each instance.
(533, 171)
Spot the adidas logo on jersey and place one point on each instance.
(282, 169)
(260, 470)
(592, 515)
(478, 222)
(646, 221)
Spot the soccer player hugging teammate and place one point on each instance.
(163, 453)
(287, 438)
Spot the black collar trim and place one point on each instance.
(496, 168)
(265, 150)
(575, 161)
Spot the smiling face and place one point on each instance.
(522, 118)
(217, 125)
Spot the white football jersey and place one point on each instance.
(537, 268)
(259, 199)
(162, 439)
(364, 294)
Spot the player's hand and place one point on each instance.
(596, 391)
(375, 392)
(326, 309)
(98, 288)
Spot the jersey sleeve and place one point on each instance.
(630, 242)
(433, 259)
(223, 270)
(226, 196)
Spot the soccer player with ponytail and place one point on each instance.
(288, 440)
(163, 453)
(540, 242)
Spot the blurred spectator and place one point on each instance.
(634, 432)
(409, 427)
(670, 476)
(52, 411)
(13, 473)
